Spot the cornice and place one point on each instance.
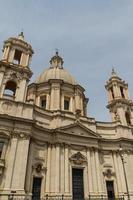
(119, 102)
(18, 42)
(16, 67)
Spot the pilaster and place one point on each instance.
(10, 164)
(48, 168)
(66, 169)
(57, 170)
(90, 179)
(18, 181)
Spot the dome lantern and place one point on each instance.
(56, 61)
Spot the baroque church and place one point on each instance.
(50, 149)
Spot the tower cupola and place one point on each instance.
(119, 102)
(17, 51)
(15, 72)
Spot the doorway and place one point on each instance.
(110, 190)
(77, 184)
(36, 189)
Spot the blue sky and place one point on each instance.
(91, 35)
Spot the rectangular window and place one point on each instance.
(66, 103)
(17, 57)
(1, 148)
(43, 102)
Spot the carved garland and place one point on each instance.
(78, 159)
(108, 173)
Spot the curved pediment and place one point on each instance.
(78, 158)
(78, 129)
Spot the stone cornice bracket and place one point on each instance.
(78, 159)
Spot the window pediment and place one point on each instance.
(78, 159)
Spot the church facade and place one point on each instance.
(49, 147)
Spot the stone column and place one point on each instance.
(6, 53)
(47, 102)
(71, 104)
(57, 165)
(120, 167)
(11, 55)
(55, 96)
(10, 163)
(22, 59)
(27, 60)
(90, 180)
(77, 102)
(62, 170)
(48, 168)
(2, 70)
(126, 93)
(53, 169)
(66, 169)
(20, 164)
(110, 95)
(118, 178)
(85, 176)
(121, 114)
(20, 96)
(116, 91)
(99, 180)
(94, 175)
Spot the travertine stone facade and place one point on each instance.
(45, 132)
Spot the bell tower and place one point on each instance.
(14, 68)
(119, 103)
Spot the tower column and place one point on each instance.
(6, 53)
(21, 90)
(11, 55)
(2, 71)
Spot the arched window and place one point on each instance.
(10, 88)
(17, 57)
(122, 92)
(127, 115)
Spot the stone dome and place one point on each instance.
(56, 71)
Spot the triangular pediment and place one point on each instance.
(79, 129)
